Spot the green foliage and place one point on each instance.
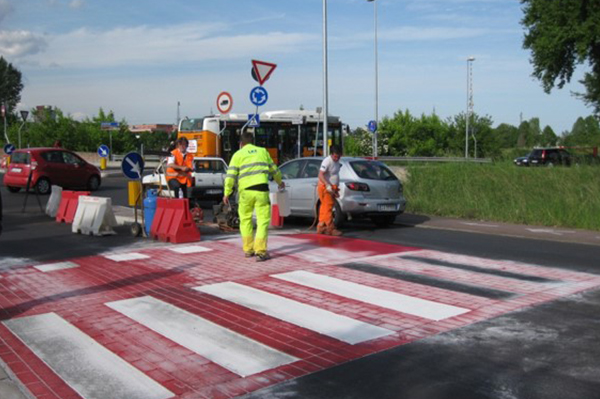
(10, 85)
(562, 34)
(566, 197)
(85, 136)
(585, 132)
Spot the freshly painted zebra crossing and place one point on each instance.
(202, 321)
(233, 351)
(90, 369)
(390, 300)
(328, 323)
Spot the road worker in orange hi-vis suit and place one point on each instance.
(179, 169)
(329, 179)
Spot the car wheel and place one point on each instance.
(383, 220)
(13, 189)
(339, 217)
(43, 186)
(93, 183)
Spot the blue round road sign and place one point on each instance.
(103, 151)
(133, 166)
(372, 126)
(259, 96)
(9, 149)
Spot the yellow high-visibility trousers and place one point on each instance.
(258, 201)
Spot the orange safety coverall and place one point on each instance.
(181, 176)
(327, 203)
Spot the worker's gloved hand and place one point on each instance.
(282, 186)
(226, 200)
(329, 188)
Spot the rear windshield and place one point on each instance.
(209, 166)
(372, 170)
(20, 157)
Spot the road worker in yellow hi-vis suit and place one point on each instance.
(251, 167)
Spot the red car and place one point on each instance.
(50, 166)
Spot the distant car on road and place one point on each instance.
(209, 176)
(367, 189)
(550, 156)
(50, 166)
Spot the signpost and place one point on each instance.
(372, 126)
(133, 166)
(224, 102)
(110, 126)
(254, 120)
(103, 152)
(9, 148)
(259, 96)
(261, 71)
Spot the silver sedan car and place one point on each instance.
(367, 189)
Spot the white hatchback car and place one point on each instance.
(367, 189)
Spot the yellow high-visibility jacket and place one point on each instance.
(249, 166)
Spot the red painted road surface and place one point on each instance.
(79, 295)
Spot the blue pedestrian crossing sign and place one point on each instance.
(103, 151)
(372, 126)
(9, 148)
(253, 120)
(259, 96)
(133, 165)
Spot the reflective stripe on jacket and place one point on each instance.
(249, 166)
(181, 160)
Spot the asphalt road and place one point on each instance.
(546, 351)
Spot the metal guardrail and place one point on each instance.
(435, 159)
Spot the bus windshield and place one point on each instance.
(191, 125)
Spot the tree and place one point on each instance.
(562, 34)
(585, 132)
(10, 84)
(548, 137)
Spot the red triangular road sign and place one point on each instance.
(263, 70)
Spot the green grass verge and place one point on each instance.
(562, 197)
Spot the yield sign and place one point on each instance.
(262, 70)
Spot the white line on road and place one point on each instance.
(306, 316)
(50, 267)
(85, 365)
(227, 348)
(375, 296)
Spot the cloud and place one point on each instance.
(142, 45)
(6, 8)
(19, 44)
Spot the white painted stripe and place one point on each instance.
(90, 369)
(312, 318)
(50, 267)
(227, 348)
(190, 249)
(126, 257)
(375, 296)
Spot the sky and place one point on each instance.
(140, 59)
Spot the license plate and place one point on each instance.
(387, 208)
(214, 191)
(16, 170)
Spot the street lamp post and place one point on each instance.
(376, 80)
(325, 84)
(469, 101)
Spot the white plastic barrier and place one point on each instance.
(94, 216)
(282, 200)
(54, 201)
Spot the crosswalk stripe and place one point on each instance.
(126, 257)
(90, 369)
(322, 321)
(227, 348)
(386, 299)
(190, 249)
(50, 267)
